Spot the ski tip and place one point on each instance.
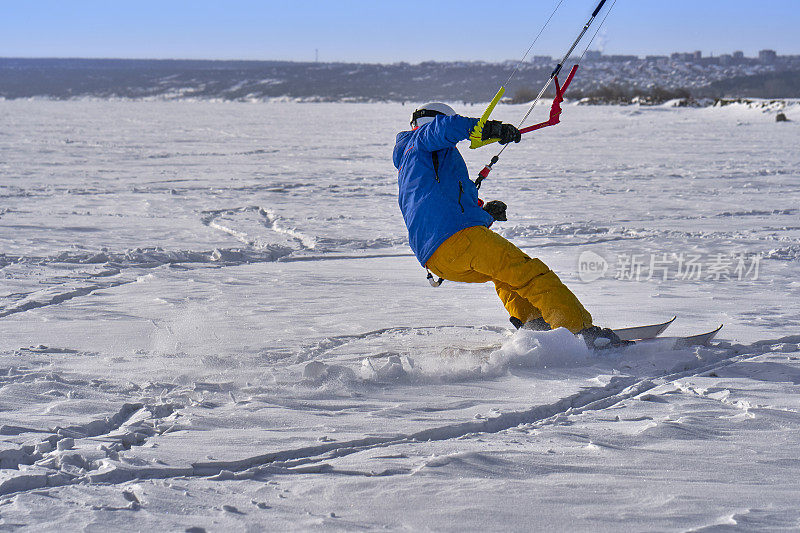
(665, 325)
(699, 340)
(713, 334)
(644, 332)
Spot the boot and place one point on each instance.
(602, 338)
(536, 324)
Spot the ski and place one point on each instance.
(647, 335)
(643, 332)
(697, 340)
(674, 343)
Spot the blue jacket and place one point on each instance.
(434, 209)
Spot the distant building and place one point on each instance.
(698, 55)
(656, 58)
(738, 55)
(767, 56)
(725, 59)
(541, 59)
(620, 58)
(682, 56)
(594, 55)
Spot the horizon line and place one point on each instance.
(604, 54)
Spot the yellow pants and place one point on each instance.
(527, 288)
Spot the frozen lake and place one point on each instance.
(210, 318)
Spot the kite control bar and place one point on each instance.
(555, 109)
(555, 114)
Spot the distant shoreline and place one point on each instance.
(607, 79)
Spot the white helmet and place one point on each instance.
(425, 113)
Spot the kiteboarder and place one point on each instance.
(448, 226)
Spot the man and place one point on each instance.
(448, 226)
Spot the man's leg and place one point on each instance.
(448, 262)
(530, 278)
(451, 260)
(516, 305)
(478, 254)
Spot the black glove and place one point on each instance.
(494, 129)
(497, 209)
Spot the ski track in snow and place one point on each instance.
(67, 455)
(185, 301)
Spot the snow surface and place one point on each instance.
(210, 319)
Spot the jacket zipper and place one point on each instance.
(460, 192)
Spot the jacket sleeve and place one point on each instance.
(445, 132)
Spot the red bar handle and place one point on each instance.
(560, 90)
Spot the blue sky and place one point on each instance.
(383, 31)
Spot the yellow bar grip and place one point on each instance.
(475, 140)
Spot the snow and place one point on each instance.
(210, 319)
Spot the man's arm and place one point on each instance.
(445, 132)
